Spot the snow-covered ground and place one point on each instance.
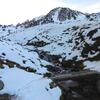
(27, 86)
(22, 84)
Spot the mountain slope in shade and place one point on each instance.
(63, 39)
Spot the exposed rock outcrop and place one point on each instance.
(1, 85)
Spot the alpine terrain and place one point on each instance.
(59, 42)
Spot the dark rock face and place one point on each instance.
(53, 69)
(1, 85)
(72, 65)
(85, 90)
(63, 14)
(48, 18)
(7, 97)
(66, 13)
(37, 43)
(49, 57)
(92, 48)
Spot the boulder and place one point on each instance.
(1, 85)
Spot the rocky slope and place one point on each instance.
(62, 40)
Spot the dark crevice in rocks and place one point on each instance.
(7, 96)
(37, 43)
(12, 64)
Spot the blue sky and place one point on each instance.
(81, 2)
(14, 11)
(90, 6)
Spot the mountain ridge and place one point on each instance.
(67, 14)
(62, 14)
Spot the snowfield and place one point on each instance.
(22, 84)
(27, 86)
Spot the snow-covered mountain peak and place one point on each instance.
(63, 14)
(57, 15)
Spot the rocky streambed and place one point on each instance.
(80, 87)
(83, 85)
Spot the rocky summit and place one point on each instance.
(62, 41)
